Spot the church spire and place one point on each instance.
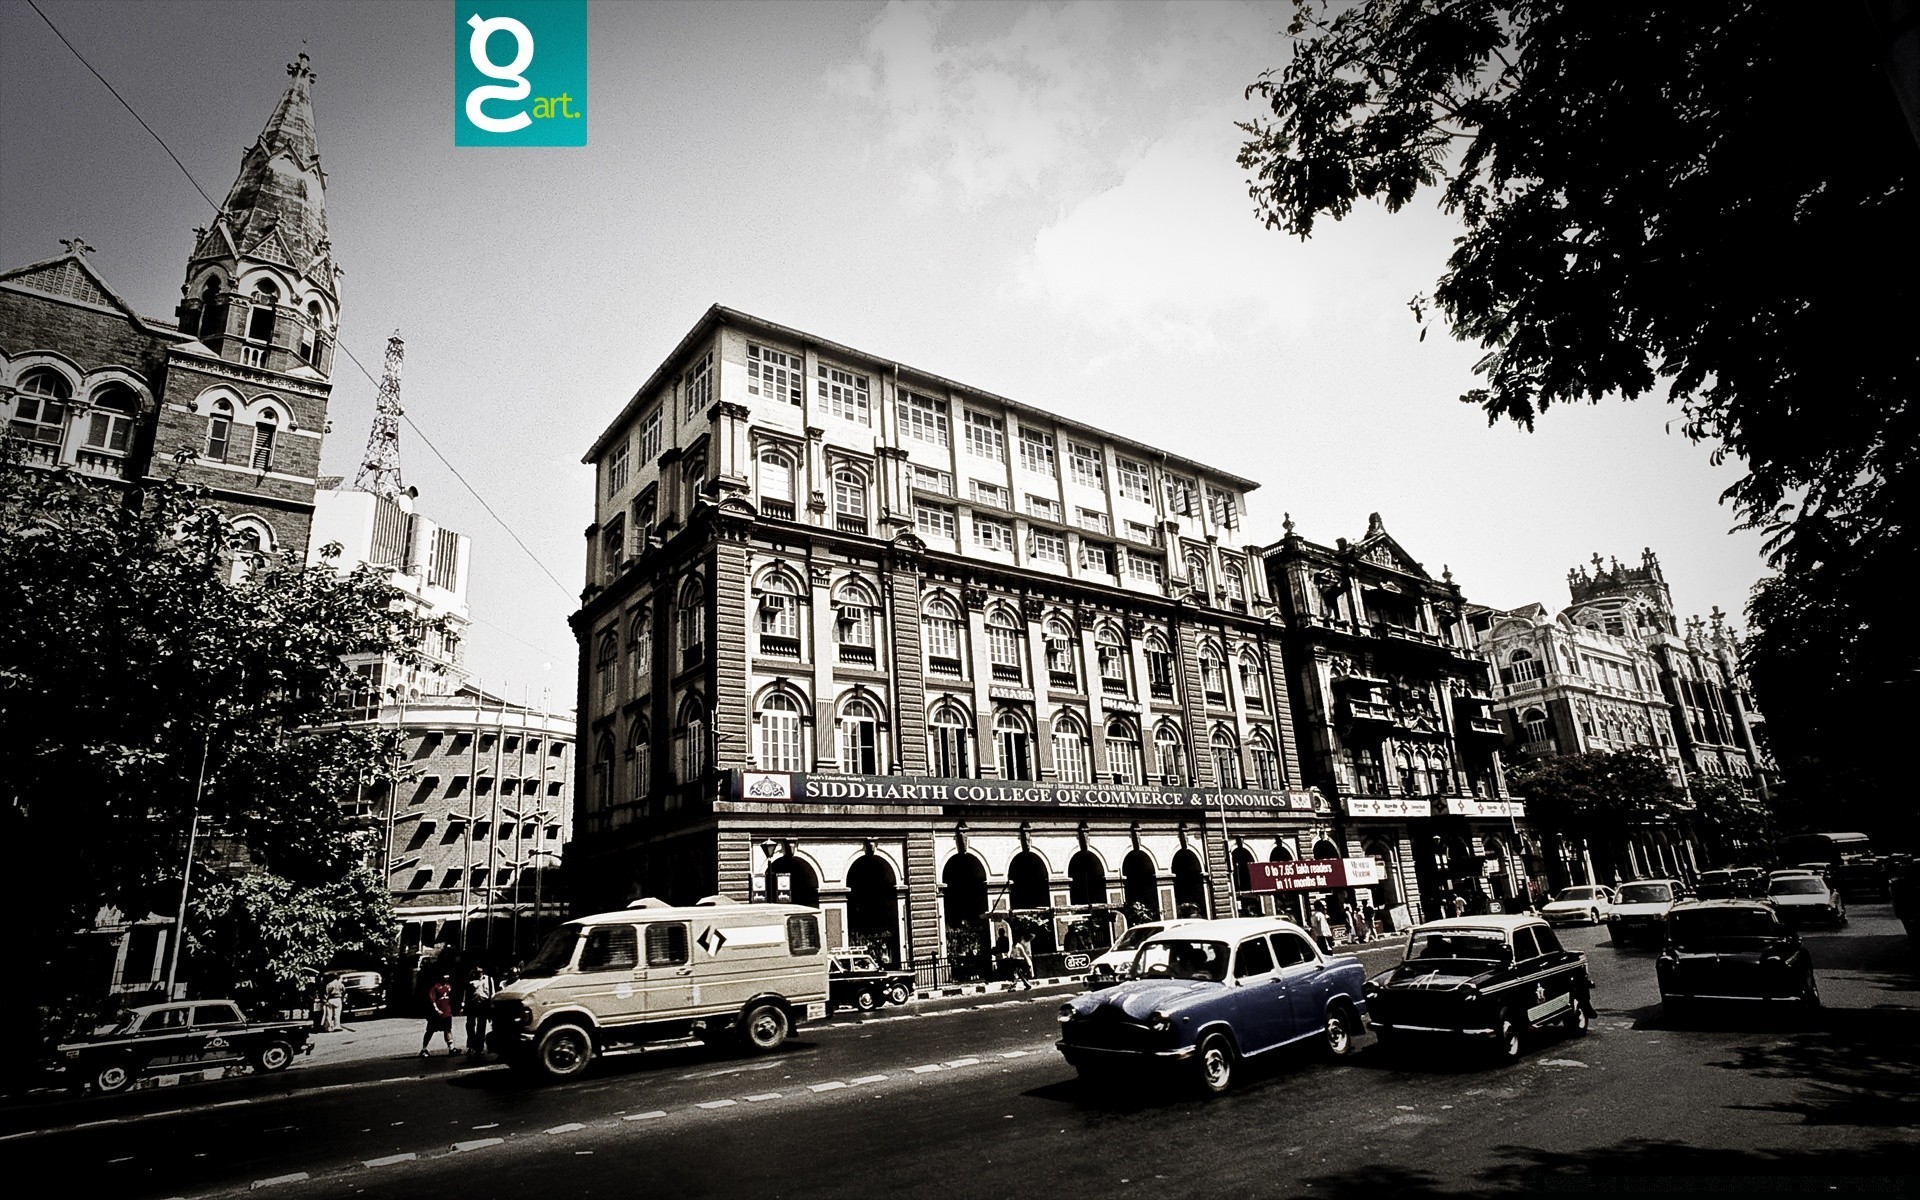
(261, 284)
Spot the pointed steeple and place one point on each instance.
(271, 231)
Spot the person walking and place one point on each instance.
(439, 1014)
(333, 1004)
(1322, 927)
(1457, 905)
(474, 999)
(1360, 923)
(1022, 961)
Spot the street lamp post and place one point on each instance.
(186, 872)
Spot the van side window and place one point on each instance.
(609, 948)
(803, 934)
(667, 944)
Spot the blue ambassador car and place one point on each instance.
(1207, 994)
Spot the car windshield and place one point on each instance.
(1579, 893)
(1723, 924)
(1179, 958)
(554, 953)
(1469, 945)
(1802, 886)
(1131, 939)
(1645, 893)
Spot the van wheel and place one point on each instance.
(766, 1027)
(867, 1000)
(1215, 1064)
(114, 1076)
(274, 1056)
(563, 1051)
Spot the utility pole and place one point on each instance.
(186, 872)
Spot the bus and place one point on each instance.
(1849, 859)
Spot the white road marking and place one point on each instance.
(866, 1079)
(390, 1160)
(717, 1104)
(961, 1062)
(569, 1127)
(1561, 1062)
(296, 1177)
(1016, 1054)
(925, 1069)
(763, 1096)
(476, 1144)
(495, 1125)
(645, 1116)
(825, 1087)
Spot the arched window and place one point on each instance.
(1070, 749)
(859, 737)
(606, 661)
(603, 773)
(1213, 674)
(265, 431)
(779, 617)
(260, 319)
(1015, 745)
(1159, 667)
(1252, 680)
(947, 743)
(213, 314)
(941, 630)
(1142, 882)
(853, 624)
(1197, 571)
(1266, 763)
(310, 335)
(690, 621)
(780, 734)
(639, 762)
(1167, 756)
(1086, 879)
(1535, 727)
(1006, 647)
(1226, 760)
(1235, 582)
(1123, 751)
(40, 408)
(640, 645)
(694, 480)
(1028, 881)
(1061, 671)
(219, 430)
(690, 741)
(849, 500)
(776, 484)
(1521, 667)
(110, 424)
(1112, 654)
(250, 544)
(1409, 782)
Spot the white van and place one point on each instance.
(655, 973)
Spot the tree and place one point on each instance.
(1718, 200)
(261, 938)
(141, 683)
(1598, 798)
(1735, 827)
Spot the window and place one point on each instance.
(1097, 558)
(1133, 480)
(1006, 647)
(1213, 674)
(212, 314)
(859, 737)
(1147, 568)
(1159, 667)
(1266, 763)
(779, 748)
(219, 430)
(110, 424)
(650, 437)
(606, 659)
(1196, 562)
(1138, 532)
(1036, 453)
(934, 521)
(639, 764)
(779, 618)
(1223, 507)
(1083, 463)
(986, 436)
(922, 418)
(1521, 667)
(929, 480)
(803, 934)
(992, 535)
(1048, 547)
(1112, 657)
(1042, 507)
(691, 622)
(989, 493)
(617, 469)
(1016, 750)
(774, 375)
(690, 742)
(844, 394)
(695, 479)
(309, 333)
(849, 500)
(260, 318)
(1166, 756)
(1123, 752)
(1234, 582)
(264, 431)
(1226, 760)
(645, 509)
(1060, 656)
(1255, 958)
(613, 543)
(1069, 750)
(853, 625)
(1181, 500)
(1251, 685)
(940, 630)
(40, 409)
(1088, 518)
(602, 782)
(1537, 728)
(697, 384)
(609, 948)
(667, 944)
(776, 484)
(947, 743)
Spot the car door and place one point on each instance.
(1540, 988)
(1260, 1002)
(606, 982)
(167, 1040)
(216, 1029)
(668, 974)
(1304, 975)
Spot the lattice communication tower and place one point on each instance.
(380, 469)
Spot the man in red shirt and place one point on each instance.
(439, 1014)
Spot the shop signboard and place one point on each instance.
(1312, 874)
(1398, 806)
(781, 787)
(1470, 806)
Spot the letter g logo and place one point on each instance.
(520, 89)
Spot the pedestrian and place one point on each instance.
(1457, 905)
(473, 1001)
(439, 1014)
(333, 1004)
(1022, 962)
(1359, 927)
(1322, 927)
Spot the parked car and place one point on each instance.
(1800, 899)
(189, 1035)
(1588, 904)
(1210, 994)
(1737, 950)
(1116, 965)
(365, 991)
(1489, 979)
(855, 980)
(1640, 911)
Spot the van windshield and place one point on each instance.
(554, 953)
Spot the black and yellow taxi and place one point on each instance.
(1490, 980)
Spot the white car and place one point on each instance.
(1640, 911)
(1116, 965)
(1800, 899)
(1588, 904)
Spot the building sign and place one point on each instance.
(1369, 806)
(1468, 806)
(1312, 874)
(779, 787)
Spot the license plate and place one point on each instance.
(817, 1011)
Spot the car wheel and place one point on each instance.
(1215, 1063)
(867, 1000)
(115, 1076)
(564, 1051)
(1577, 1021)
(274, 1056)
(1342, 1026)
(1811, 996)
(765, 1027)
(1593, 916)
(898, 994)
(1508, 1040)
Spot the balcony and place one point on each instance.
(857, 656)
(1064, 681)
(1481, 726)
(1007, 673)
(100, 464)
(939, 665)
(1160, 690)
(779, 510)
(1113, 687)
(849, 524)
(775, 646)
(1358, 711)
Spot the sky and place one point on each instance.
(1039, 200)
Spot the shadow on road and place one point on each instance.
(1860, 1066)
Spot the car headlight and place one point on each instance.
(1160, 1022)
(1066, 1013)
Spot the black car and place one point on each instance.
(855, 980)
(1733, 950)
(1732, 883)
(177, 1037)
(1481, 979)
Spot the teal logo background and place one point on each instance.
(520, 72)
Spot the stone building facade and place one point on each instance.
(231, 393)
(866, 637)
(1392, 704)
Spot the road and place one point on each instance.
(967, 1097)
